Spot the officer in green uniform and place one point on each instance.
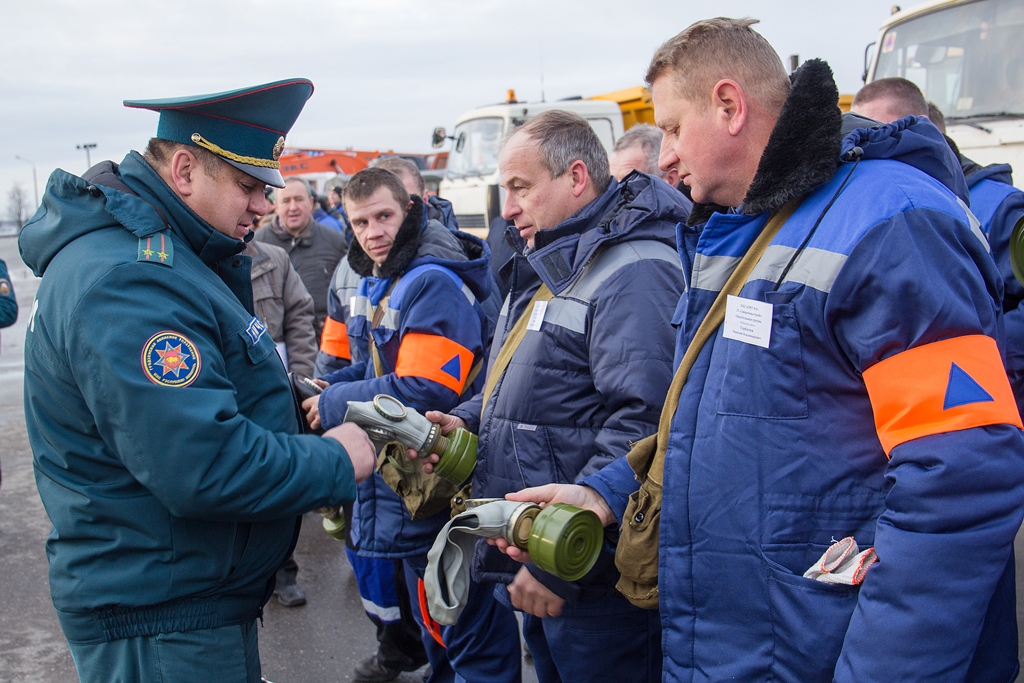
(166, 442)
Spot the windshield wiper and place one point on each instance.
(970, 120)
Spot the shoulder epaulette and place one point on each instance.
(157, 248)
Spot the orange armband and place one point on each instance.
(940, 387)
(334, 340)
(436, 358)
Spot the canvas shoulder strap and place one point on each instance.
(708, 326)
(511, 343)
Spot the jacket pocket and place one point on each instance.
(766, 383)
(259, 351)
(809, 619)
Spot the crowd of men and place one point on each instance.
(775, 349)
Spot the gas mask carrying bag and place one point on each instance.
(393, 428)
(636, 555)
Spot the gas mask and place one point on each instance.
(562, 539)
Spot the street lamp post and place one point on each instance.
(35, 183)
(87, 146)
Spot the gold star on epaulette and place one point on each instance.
(164, 253)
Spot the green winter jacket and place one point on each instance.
(166, 442)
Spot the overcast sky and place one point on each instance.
(386, 71)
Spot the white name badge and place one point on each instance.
(537, 317)
(748, 321)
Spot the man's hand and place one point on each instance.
(358, 446)
(448, 423)
(312, 407)
(533, 597)
(581, 496)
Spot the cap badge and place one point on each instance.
(278, 148)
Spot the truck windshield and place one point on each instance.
(968, 59)
(475, 152)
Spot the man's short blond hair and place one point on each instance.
(709, 51)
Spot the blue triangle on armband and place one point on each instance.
(453, 368)
(963, 389)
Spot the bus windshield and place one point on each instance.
(968, 59)
(475, 152)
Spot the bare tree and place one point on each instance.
(18, 205)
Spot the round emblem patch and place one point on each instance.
(171, 359)
(5, 287)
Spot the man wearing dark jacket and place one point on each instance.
(418, 310)
(314, 249)
(853, 405)
(997, 204)
(166, 444)
(588, 378)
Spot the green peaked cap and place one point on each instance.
(245, 127)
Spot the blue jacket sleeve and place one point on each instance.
(631, 347)
(955, 500)
(470, 411)
(433, 307)
(8, 304)
(1000, 229)
(190, 445)
(331, 356)
(615, 482)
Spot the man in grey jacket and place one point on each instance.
(314, 249)
(283, 303)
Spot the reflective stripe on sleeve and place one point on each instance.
(433, 357)
(334, 340)
(941, 387)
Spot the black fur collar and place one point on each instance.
(803, 149)
(403, 251)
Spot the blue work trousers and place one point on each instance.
(598, 638)
(227, 654)
(483, 647)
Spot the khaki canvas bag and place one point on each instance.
(636, 556)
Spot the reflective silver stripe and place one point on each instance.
(361, 306)
(815, 268)
(712, 272)
(567, 313)
(390, 319)
(610, 260)
(469, 293)
(975, 224)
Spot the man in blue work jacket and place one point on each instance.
(867, 413)
(166, 441)
(995, 202)
(419, 313)
(587, 378)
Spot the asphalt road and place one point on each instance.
(318, 643)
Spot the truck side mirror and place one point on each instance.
(440, 135)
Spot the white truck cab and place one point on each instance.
(471, 179)
(967, 56)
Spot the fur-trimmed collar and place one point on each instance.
(803, 149)
(403, 250)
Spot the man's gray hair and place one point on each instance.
(647, 139)
(400, 166)
(563, 138)
(304, 183)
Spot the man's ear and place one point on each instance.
(730, 105)
(408, 207)
(182, 169)
(672, 176)
(579, 177)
